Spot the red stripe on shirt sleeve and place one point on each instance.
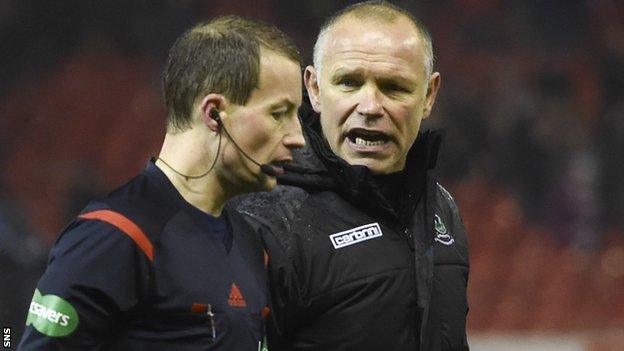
(125, 225)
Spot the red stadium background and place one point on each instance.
(531, 105)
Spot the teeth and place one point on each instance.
(360, 141)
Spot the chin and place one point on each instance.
(375, 166)
(265, 183)
(381, 170)
(269, 185)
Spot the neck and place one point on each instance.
(186, 158)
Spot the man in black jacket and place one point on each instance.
(366, 250)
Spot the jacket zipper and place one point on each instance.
(409, 237)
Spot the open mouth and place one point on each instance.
(362, 137)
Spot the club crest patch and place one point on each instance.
(442, 235)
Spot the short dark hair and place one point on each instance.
(221, 55)
(382, 11)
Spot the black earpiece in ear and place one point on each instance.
(214, 114)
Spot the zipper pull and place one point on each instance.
(409, 238)
(212, 322)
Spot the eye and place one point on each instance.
(279, 114)
(395, 88)
(348, 82)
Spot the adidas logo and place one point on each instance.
(236, 299)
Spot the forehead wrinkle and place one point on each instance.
(367, 56)
(354, 63)
(389, 50)
(363, 45)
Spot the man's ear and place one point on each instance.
(310, 79)
(211, 104)
(432, 91)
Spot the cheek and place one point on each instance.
(265, 141)
(336, 103)
(256, 137)
(331, 127)
(408, 123)
(335, 112)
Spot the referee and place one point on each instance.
(161, 263)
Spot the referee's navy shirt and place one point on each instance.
(142, 269)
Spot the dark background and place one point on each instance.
(531, 105)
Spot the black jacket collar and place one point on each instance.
(317, 168)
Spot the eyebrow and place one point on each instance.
(341, 71)
(387, 78)
(284, 101)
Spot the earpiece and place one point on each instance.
(214, 114)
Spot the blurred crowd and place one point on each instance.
(531, 106)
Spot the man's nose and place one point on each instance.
(369, 102)
(294, 135)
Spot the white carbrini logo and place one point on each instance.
(355, 235)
